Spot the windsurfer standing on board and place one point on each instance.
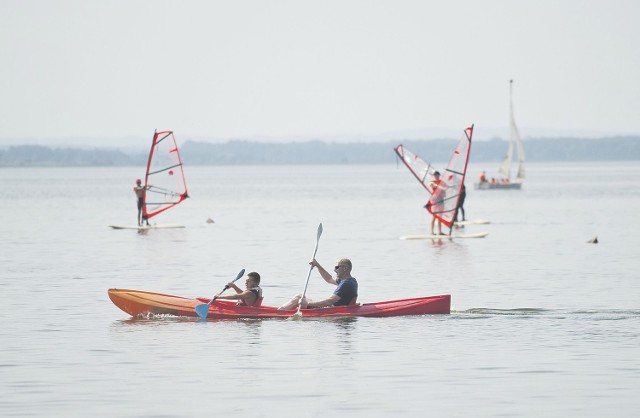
(463, 195)
(345, 293)
(247, 297)
(139, 190)
(436, 201)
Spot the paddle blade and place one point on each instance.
(296, 316)
(239, 275)
(202, 310)
(319, 231)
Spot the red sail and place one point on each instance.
(445, 193)
(164, 182)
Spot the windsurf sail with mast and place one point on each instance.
(421, 170)
(445, 192)
(443, 202)
(164, 182)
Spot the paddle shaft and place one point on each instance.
(304, 292)
(203, 309)
(226, 287)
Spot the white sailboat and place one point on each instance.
(515, 143)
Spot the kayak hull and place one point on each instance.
(140, 303)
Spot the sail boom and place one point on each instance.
(164, 169)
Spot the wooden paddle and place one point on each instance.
(298, 313)
(203, 309)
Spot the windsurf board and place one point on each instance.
(453, 236)
(143, 227)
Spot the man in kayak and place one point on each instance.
(346, 291)
(247, 297)
(139, 190)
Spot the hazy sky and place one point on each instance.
(231, 69)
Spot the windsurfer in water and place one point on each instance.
(436, 201)
(247, 297)
(346, 291)
(139, 190)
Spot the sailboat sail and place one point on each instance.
(505, 167)
(421, 170)
(515, 135)
(443, 202)
(514, 142)
(165, 183)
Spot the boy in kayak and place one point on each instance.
(346, 291)
(247, 297)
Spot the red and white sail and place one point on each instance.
(164, 182)
(421, 170)
(445, 196)
(444, 193)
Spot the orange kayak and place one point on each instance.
(138, 302)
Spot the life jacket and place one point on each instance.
(258, 292)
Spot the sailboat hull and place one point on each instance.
(504, 181)
(498, 186)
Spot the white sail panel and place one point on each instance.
(164, 182)
(421, 170)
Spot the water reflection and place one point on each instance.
(346, 328)
(514, 311)
(437, 242)
(154, 320)
(346, 323)
(167, 319)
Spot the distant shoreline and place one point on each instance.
(318, 152)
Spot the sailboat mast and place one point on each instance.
(153, 144)
(515, 136)
(512, 121)
(505, 167)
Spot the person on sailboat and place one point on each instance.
(436, 201)
(483, 177)
(249, 297)
(139, 190)
(346, 291)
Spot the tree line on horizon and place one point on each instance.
(318, 152)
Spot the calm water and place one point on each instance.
(544, 324)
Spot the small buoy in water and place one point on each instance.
(593, 241)
(210, 221)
